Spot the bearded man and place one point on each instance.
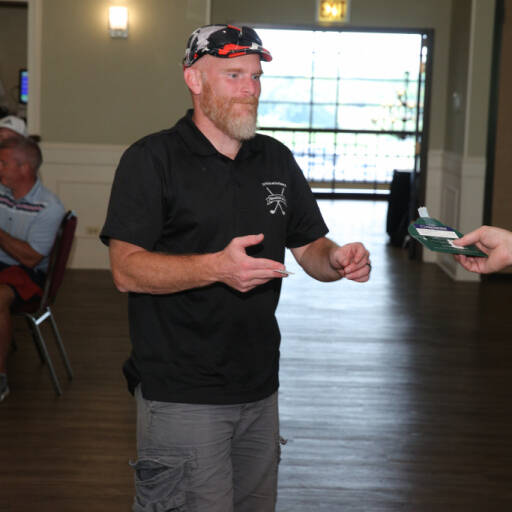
(197, 226)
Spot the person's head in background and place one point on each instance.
(20, 160)
(12, 127)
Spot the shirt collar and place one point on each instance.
(33, 191)
(28, 196)
(199, 144)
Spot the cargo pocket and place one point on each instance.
(160, 483)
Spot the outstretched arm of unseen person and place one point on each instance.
(495, 242)
(325, 260)
(135, 269)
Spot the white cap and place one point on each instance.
(16, 124)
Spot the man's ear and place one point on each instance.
(193, 80)
(26, 170)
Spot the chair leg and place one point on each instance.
(46, 355)
(60, 345)
(34, 338)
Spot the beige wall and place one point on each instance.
(13, 51)
(98, 90)
(99, 94)
(501, 212)
(457, 76)
(481, 43)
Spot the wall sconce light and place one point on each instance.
(332, 11)
(118, 21)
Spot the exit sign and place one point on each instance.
(333, 11)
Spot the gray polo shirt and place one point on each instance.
(34, 218)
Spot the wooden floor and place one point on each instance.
(396, 395)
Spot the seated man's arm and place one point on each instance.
(134, 269)
(20, 250)
(325, 260)
(39, 239)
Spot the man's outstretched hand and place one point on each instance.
(242, 272)
(352, 261)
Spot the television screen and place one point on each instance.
(23, 97)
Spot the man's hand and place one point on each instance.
(351, 261)
(242, 272)
(325, 260)
(495, 242)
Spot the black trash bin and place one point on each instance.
(398, 220)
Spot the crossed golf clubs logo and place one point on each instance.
(276, 199)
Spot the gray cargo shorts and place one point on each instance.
(206, 458)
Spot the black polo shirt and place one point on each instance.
(174, 193)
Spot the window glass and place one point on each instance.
(325, 90)
(345, 84)
(284, 115)
(296, 89)
(324, 116)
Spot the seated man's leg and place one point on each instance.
(16, 284)
(256, 454)
(184, 456)
(6, 299)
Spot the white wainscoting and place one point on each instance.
(81, 175)
(433, 193)
(455, 195)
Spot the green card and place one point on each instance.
(436, 236)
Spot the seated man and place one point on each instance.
(30, 216)
(12, 127)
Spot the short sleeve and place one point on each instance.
(306, 223)
(135, 210)
(43, 230)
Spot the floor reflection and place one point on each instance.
(386, 386)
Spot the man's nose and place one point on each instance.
(251, 87)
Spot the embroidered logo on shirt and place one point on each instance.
(275, 199)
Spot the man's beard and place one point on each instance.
(225, 113)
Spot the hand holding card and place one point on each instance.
(438, 237)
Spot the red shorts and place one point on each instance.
(26, 283)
